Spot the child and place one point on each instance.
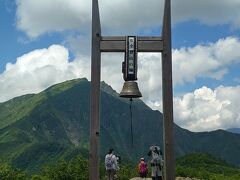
(142, 168)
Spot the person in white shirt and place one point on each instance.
(155, 154)
(111, 165)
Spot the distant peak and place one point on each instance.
(234, 130)
(108, 89)
(62, 86)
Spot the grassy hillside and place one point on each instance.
(41, 128)
(31, 132)
(201, 166)
(205, 166)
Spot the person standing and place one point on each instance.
(156, 161)
(142, 168)
(111, 165)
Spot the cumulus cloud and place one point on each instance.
(39, 69)
(79, 45)
(38, 17)
(209, 60)
(208, 109)
(214, 12)
(150, 78)
(119, 16)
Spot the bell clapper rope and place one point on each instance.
(130, 107)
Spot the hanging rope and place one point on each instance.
(130, 106)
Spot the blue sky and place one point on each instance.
(46, 42)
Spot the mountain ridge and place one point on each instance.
(54, 124)
(234, 130)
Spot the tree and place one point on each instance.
(9, 173)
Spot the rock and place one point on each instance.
(185, 178)
(177, 178)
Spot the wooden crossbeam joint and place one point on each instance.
(118, 44)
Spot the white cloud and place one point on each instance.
(119, 16)
(38, 17)
(79, 45)
(39, 69)
(150, 78)
(210, 60)
(214, 12)
(206, 109)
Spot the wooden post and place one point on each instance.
(168, 134)
(95, 94)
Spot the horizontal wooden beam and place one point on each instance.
(113, 44)
(150, 44)
(118, 44)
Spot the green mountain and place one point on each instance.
(234, 130)
(38, 129)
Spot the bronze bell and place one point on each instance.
(130, 90)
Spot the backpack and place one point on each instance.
(143, 168)
(156, 155)
(109, 162)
